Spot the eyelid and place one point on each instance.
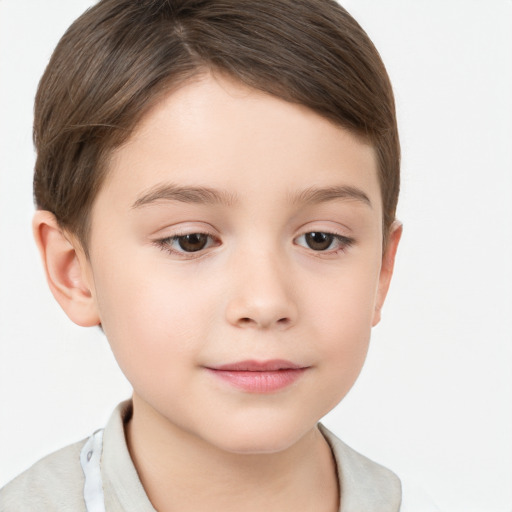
(344, 241)
(164, 243)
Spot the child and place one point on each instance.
(216, 185)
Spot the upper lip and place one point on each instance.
(258, 366)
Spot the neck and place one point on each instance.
(180, 471)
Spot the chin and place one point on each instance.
(259, 439)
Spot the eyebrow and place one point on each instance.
(315, 195)
(198, 195)
(206, 195)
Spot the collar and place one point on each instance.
(111, 479)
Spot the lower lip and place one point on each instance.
(260, 382)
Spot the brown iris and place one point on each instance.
(319, 241)
(193, 242)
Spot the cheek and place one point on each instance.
(345, 328)
(343, 352)
(342, 327)
(344, 302)
(151, 319)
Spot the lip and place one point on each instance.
(251, 365)
(259, 376)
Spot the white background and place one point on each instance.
(435, 399)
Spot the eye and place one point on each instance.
(187, 243)
(321, 241)
(193, 242)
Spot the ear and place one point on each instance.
(386, 271)
(66, 268)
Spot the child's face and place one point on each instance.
(282, 262)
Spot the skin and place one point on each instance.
(256, 291)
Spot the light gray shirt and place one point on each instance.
(56, 482)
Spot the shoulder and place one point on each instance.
(365, 484)
(54, 483)
(357, 464)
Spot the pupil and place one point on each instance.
(193, 242)
(319, 241)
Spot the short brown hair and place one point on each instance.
(121, 56)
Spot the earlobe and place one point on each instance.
(386, 271)
(64, 264)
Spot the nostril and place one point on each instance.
(285, 321)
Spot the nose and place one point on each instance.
(262, 293)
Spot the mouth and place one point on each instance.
(259, 376)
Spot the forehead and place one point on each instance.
(217, 133)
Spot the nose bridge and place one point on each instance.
(261, 293)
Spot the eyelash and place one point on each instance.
(344, 242)
(166, 244)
